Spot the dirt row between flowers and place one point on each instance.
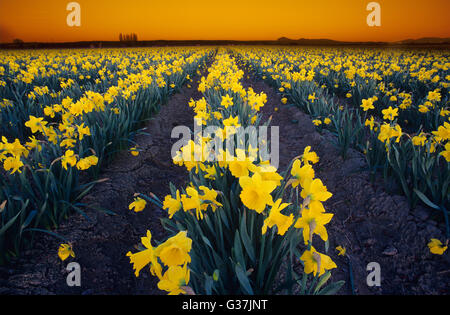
(101, 243)
(373, 225)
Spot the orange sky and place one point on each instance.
(45, 20)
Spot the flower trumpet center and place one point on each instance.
(312, 225)
(317, 259)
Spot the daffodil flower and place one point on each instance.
(138, 204)
(65, 250)
(436, 247)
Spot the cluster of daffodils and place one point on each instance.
(313, 217)
(63, 124)
(408, 89)
(168, 261)
(11, 154)
(390, 128)
(233, 184)
(65, 112)
(402, 97)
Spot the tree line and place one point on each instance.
(128, 37)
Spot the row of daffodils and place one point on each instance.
(64, 113)
(391, 105)
(240, 226)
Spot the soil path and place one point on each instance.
(371, 224)
(100, 245)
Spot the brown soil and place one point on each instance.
(371, 224)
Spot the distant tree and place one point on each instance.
(18, 42)
(128, 37)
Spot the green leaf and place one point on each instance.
(47, 232)
(29, 219)
(77, 210)
(246, 239)
(208, 285)
(323, 279)
(332, 288)
(237, 249)
(426, 200)
(9, 223)
(207, 242)
(243, 280)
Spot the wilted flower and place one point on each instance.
(65, 250)
(138, 204)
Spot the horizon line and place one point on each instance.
(280, 39)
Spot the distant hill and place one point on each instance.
(305, 41)
(327, 42)
(426, 41)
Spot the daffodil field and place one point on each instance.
(243, 218)
(392, 105)
(240, 224)
(63, 115)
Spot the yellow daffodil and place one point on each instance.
(315, 191)
(138, 204)
(312, 222)
(367, 104)
(309, 156)
(446, 152)
(342, 251)
(283, 222)
(226, 101)
(86, 163)
(301, 174)
(312, 97)
(145, 257)
(443, 132)
(69, 158)
(317, 122)
(134, 151)
(175, 251)
(419, 140)
(316, 262)
(241, 164)
(35, 124)
(256, 192)
(172, 205)
(174, 279)
(65, 250)
(13, 164)
(390, 113)
(436, 247)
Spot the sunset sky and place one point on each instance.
(45, 20)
